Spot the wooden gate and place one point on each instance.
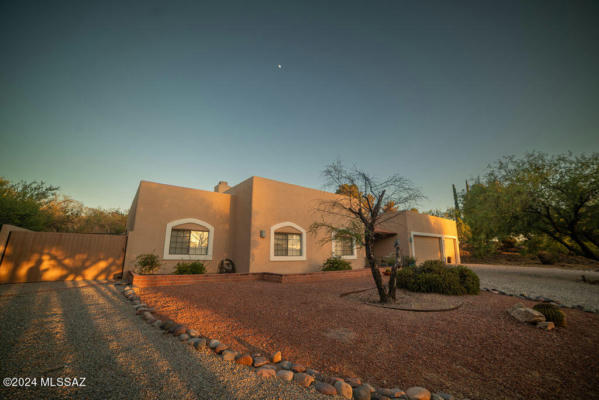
(51, 256)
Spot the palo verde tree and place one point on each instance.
(363, 204)
(538, 195)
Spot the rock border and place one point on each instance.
(274, 366)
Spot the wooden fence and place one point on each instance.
(51, 256)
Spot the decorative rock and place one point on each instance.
(547, 325)
(325, 388)
(302, 379)
(435, 396)
(178, 330)
(157, 323)
(391, 392)
(229, 355)
(276, 357)
(362, 393)
(444, 396)
(166, 325)
(193, 333)
(312, 372)
(286, 364)
(140, 305)
(260, 361)
(354, 382)
(244, 359)
(265, 372)
(183, 337)
(200, 343)
(285, 375)
(378, 396)
(141, 310)
(148, 316)
(525, 314)
(220, 348)
(418, 393)
(344, 389)
(298, 368)
(270, 366)
(370, 387)
(213, 344)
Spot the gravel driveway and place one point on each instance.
(86, 329)
(566, 286)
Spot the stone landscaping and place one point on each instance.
(275, 367)
(478, 351)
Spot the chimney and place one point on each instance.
(222, 187)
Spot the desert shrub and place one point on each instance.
(408, 261)
(195, 267)
(552, 313)
(546, 257)
(335, 264)
(437, 277)
(468, 279)
(147, 263)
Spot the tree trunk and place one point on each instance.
(376, 274)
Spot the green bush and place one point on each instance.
(195, 267)
(147, 263)
(437, 277)
(336, 264)
(552, 313)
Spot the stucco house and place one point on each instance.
(262, 225)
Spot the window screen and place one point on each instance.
(188, 242)
(343, 247)
(288, 244)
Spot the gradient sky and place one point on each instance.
(96, 96)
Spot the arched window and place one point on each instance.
(287, 242)
(188, 239)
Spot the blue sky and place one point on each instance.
(96, 96)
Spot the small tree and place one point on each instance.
(147, 263)
(363, 204)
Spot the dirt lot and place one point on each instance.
(477, 351)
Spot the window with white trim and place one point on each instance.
(188, 242)
(343, 247)
(288, 244)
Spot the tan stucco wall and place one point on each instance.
(241, 219)
(385, 247)
(275, 202)
(158, 204)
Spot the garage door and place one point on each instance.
(427, 248)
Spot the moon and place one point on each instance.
(279, 66)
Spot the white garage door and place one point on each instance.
(427, 248)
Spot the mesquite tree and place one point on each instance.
(363, 204)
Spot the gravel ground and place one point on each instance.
(87, 329)
(477, 351)
(563, 285)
